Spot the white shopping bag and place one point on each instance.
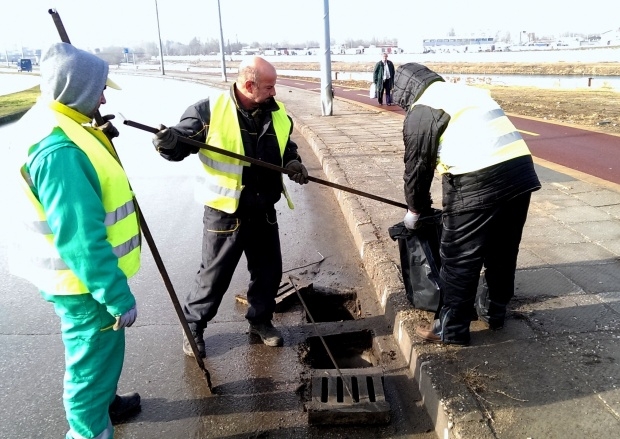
(373, 91)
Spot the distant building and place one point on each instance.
(459, 44)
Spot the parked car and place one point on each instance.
(24, 65)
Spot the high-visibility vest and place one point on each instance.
(222, 183)
(479, 133)
(39, 260)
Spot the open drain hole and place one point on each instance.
(327, 305)
(351, 350)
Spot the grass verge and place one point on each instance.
(20, 101)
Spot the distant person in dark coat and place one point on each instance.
(383, 78)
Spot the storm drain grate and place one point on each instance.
(332, 404)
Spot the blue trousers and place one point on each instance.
(94, 355)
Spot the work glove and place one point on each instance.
(301, 173)
(411, 219)
(165, 138)
(126, 320)
(106, 127)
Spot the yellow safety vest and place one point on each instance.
(479, 134)
(221, 187)
(39, 260)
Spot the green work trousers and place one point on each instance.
(94, 355)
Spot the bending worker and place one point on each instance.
(487, 177)
(239, 198)
(81, 239)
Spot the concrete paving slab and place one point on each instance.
(599, 231)
(544, 282)
(579, 214)
(597, 278)
(585, 253)
(600, 197)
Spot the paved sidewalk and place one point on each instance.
(554, 370)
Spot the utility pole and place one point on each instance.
(161, 50)
(327, 98)
(219, 13)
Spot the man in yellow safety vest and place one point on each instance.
(239, 198)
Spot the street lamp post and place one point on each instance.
(327, 98)
(219, 13)
(161, 50)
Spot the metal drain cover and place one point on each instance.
(333, 404)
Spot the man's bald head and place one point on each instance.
(256, 81)
(255, 68)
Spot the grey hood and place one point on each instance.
(73, 77)
(410, 81)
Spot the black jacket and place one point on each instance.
(262, 186)
(422, 129)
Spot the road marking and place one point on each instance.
(527, 132)
(299, 83)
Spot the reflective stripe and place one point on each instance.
(49, 263)
(229, 168)
(41, 227)
(126, 247)
(110, 219)
(55, 263)
(122, 212)
(507, 139)
(220, 190)
(494, 114)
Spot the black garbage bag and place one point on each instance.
(419, 259)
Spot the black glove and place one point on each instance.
(301, 173)
(165, 138)
(107, 128)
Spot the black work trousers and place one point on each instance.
(472, 240)
(225, 238)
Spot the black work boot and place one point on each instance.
(270, 335)
(198, 334)
(124, 406)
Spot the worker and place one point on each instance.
(81, 239)
(239, 198)
(487, 176)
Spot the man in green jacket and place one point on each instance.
(383, 77)
(81, 239)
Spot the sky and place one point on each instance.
(129, 22)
